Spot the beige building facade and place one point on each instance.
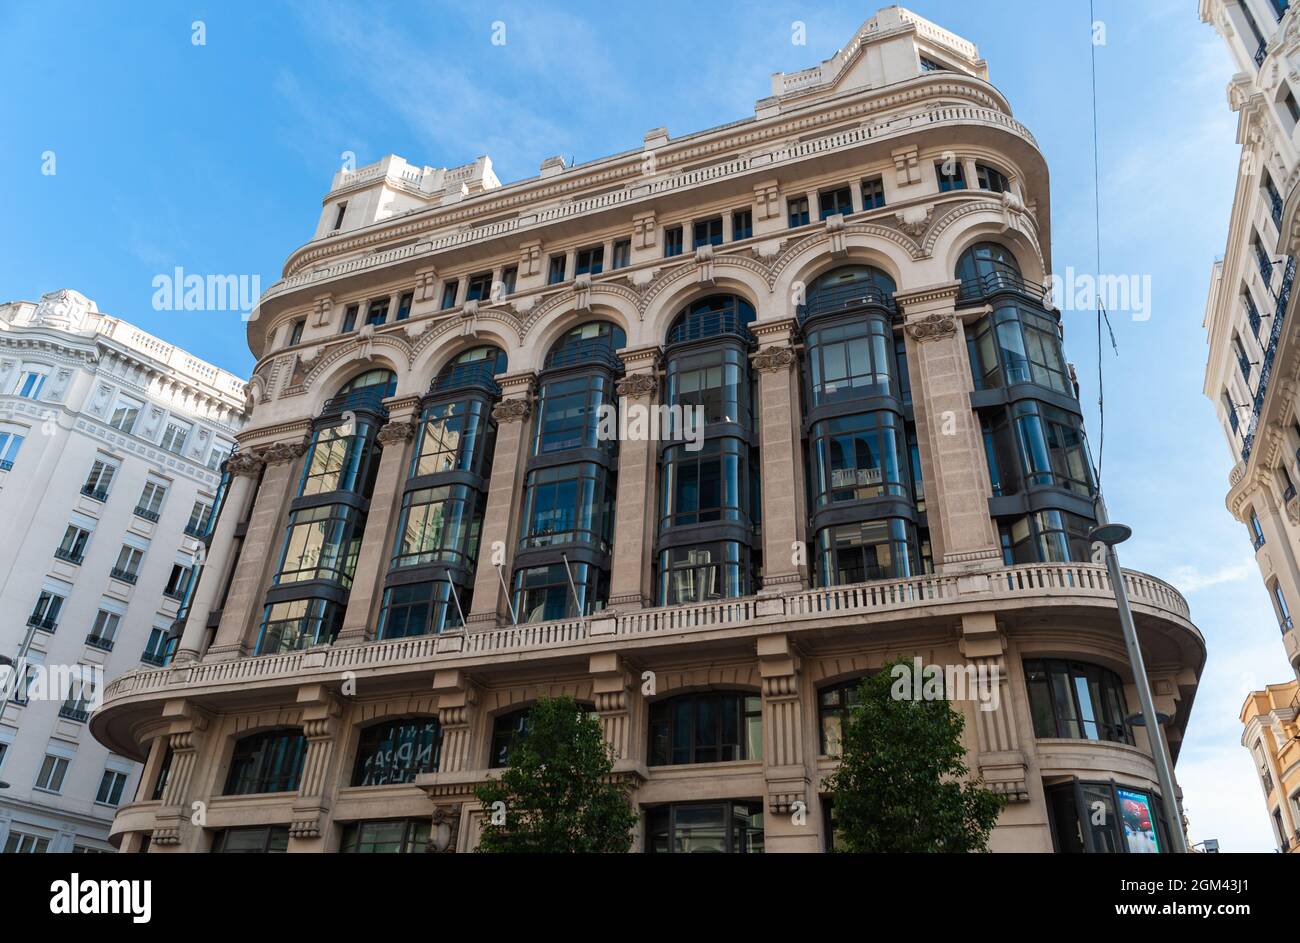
(1271, 733)
(1252, 374)
(111, 441)
(426, 528)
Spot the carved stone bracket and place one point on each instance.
(932, 327)
(446, 828)
(242, 463)
(773, 359)
(835, 234)
(636, 386)
(512, 410)
(1293, 510)
(277, 453)
(396, 432)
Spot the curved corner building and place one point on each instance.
(845, 289)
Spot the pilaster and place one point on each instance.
(634, 516)
(781, 457)
(955, 468)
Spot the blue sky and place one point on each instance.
(215, 159)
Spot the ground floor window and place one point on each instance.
(390, 836)
(705, 828)
(19, 843)
(1106, 818)
(265, 839)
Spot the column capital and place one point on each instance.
(396, 431)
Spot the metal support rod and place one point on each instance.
(1155, 734)
(456, 596)
(18, 665)
(514, 616)
(573, 588)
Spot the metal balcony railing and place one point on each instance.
(67, 712)
(68, 556)
(1001, 280)
(126, 576)
(99, 494)
(847, 297)
(594, 350)
(371, 397)
(44, 623)
(1270, 354)
(147, 514)
(103, 644)
(710, 324)
(476, 376)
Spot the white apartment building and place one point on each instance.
(111, 443)
(1253, 369)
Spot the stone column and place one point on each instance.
(505, 497)
(631, 584)
(243, 470)
(952, 445)
(793, 822)
(320, 725)
(263, 542)
(1001, 763)
(785, 518)
(385, 507)
(185, 737)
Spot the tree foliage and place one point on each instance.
(556, 794)
(902, 784)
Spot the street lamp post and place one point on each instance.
(1110, 535)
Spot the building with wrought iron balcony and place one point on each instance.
(1253, 367)
(425, 530)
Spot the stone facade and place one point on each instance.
(833, 212)
(1271, 733)
(1253, 372)
(120, 435)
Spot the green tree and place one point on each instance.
(556, 792)
(902, 784)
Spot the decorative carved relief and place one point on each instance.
(242, 463)
(915, 220)
(512, 410)
(932, 327)
(278, 453)
(637, 386)
(396, 432)
(774, 358)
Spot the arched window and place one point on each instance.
(594, 340)
(849, 288)
(509, 728)
(270, 761)
(397, 751)
(711, 317)
(476, 365)
(706, 727)
(987, 267)
(1076, 700)
(377, 382)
